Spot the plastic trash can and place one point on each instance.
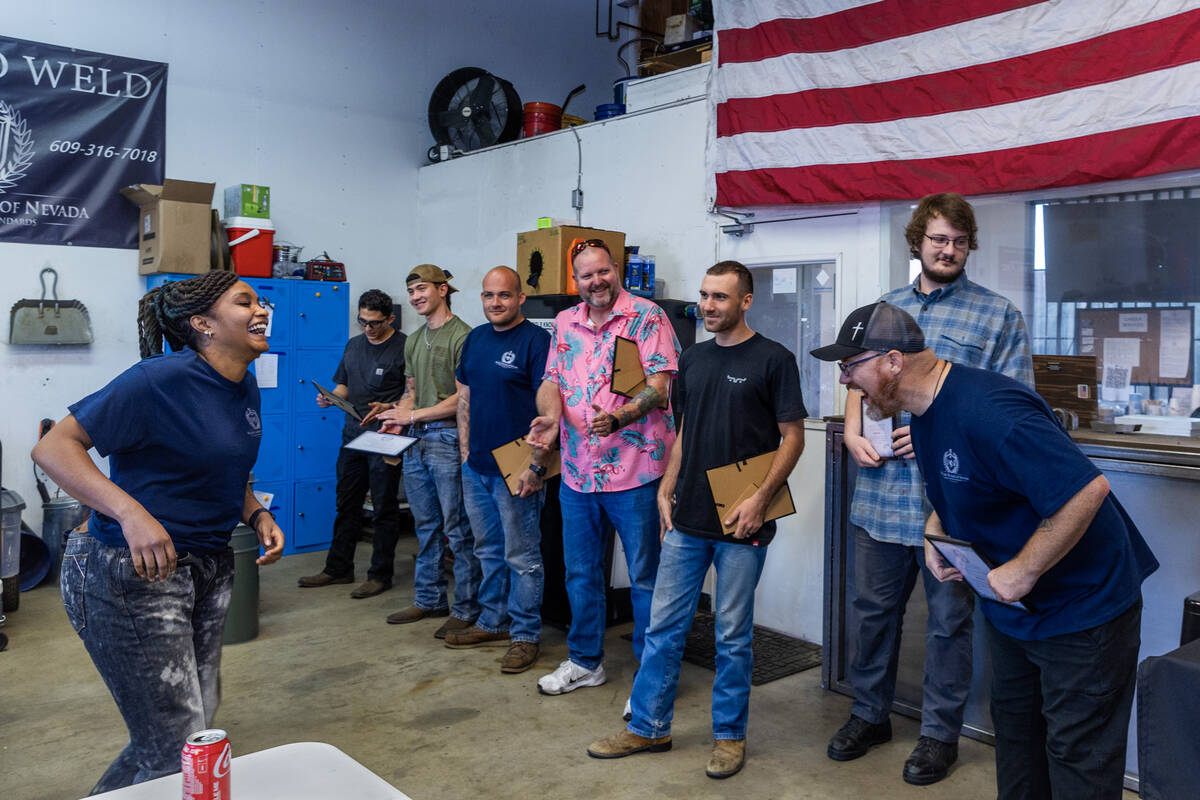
(241, 624)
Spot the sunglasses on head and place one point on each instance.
(580, 246)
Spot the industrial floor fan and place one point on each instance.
(470, 108)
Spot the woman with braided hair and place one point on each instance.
(148, 586)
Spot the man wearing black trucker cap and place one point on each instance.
(970, 325)
(1001, 474)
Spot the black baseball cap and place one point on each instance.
(880, 326)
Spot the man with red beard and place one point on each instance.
(1002, 475)
(966, 324)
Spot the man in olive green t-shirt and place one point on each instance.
(432, 477)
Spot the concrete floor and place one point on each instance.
(435, 722)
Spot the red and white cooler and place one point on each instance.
(250, 243)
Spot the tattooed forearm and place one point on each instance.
(641, 404)
(463, 413)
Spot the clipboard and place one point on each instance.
(514, 458)
(389, 445)
(340, 402)
(733, 483)
(878, 432)
(628, 377)
(974, 566)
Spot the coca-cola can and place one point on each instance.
(206, 764)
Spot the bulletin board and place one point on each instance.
(1138, 345)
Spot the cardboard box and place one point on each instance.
(548, 248)
(248, 200)
(680, 28)
(175, 226)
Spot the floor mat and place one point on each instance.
(776, 655)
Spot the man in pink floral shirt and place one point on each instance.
(614, 451)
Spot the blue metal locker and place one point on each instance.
(318, 437)
(315, 508)
(273, 462)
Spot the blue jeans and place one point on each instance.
(508, 543)
(156, 645)
(433, 483)
(681, 570)
(884, 577)
(1061, 708)
(586, 517)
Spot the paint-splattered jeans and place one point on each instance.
(156, 645)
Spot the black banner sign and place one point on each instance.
(75, 127)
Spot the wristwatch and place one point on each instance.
(538, 469)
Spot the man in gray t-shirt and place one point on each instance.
(371, 371)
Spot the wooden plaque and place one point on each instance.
(514, 458)
(733, 483)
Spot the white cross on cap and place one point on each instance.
(858, 326)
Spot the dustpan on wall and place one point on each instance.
(50, 321)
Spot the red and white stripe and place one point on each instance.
(852, 100)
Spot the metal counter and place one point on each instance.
(1157, 479)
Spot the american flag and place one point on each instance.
(850, 100)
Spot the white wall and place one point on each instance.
(642, 174)
(324, 102)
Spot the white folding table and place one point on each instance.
(298, 771)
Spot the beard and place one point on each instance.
(720, 323)
(943, 272)
(886, 402)
(591, 296)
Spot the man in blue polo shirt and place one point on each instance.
(497, 380)
(1002, 474)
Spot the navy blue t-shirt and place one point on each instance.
(180, 440)
(503, 370)
(995, 464)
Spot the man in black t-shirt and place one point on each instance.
(738, 396)
(371, 372)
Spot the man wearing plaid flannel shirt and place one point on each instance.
(966, 324)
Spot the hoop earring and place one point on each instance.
(208, 334)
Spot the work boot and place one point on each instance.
(323, 579)
(856, 737)
(370, 588)
(626, 744)
(930, 761)
(728, 756)
(414, 613)
(453, 624)
(520, 657)
(475, 636)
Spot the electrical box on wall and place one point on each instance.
(544, 260)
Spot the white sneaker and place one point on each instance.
(570, 676)
(627, 714)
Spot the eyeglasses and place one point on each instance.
(960, 242)
(845, 366)
(372, 324)
(579, 247)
